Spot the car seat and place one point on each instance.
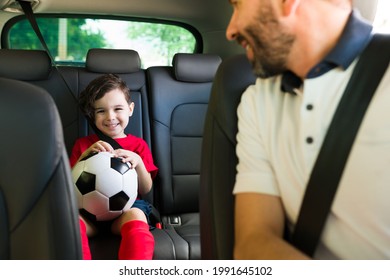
(179, 97)
(218, 163)
(38, 213)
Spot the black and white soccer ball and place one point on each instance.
(105, 186)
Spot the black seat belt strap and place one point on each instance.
(27, 9)
(338, 141)
(26, 6)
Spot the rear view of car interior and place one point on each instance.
(170, 108)
(171, 104)
(171, 95)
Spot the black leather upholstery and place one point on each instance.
(34, 66)
(38, 213)
(218, 165)
(179, 98)
(195, 68)
(25, 65)
(113, 61)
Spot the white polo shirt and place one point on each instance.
(279, 138)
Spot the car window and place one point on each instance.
(69, 38)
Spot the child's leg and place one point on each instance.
(84, 240)
(137, 241)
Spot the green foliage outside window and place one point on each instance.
(69, 39)
(77, 39)
(165, 39)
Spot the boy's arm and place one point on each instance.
(144, 179)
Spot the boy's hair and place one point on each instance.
(97, 88)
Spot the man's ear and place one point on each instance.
(131, 108)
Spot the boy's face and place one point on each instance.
(112, 113)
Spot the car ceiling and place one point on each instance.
(205, 15)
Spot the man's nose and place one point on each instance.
(231, 30)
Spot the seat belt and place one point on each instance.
(27, 9)
(328, 169)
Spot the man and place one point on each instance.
(304, 52)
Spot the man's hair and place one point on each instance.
(97, 88)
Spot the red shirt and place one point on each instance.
(130, 142)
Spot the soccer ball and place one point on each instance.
(105, 186)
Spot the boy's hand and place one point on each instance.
(99, 146)
(144, 179)
(128, 156)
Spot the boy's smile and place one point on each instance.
(112, 113)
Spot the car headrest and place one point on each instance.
(25, 65)
(113, 61)
(196, 68)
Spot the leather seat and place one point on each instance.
(34, 67)
(218, 165)
(38, 212)
(179, 97)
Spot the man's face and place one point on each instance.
(255, 26)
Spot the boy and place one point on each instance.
(106, 101)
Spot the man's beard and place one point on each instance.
(271, 44)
